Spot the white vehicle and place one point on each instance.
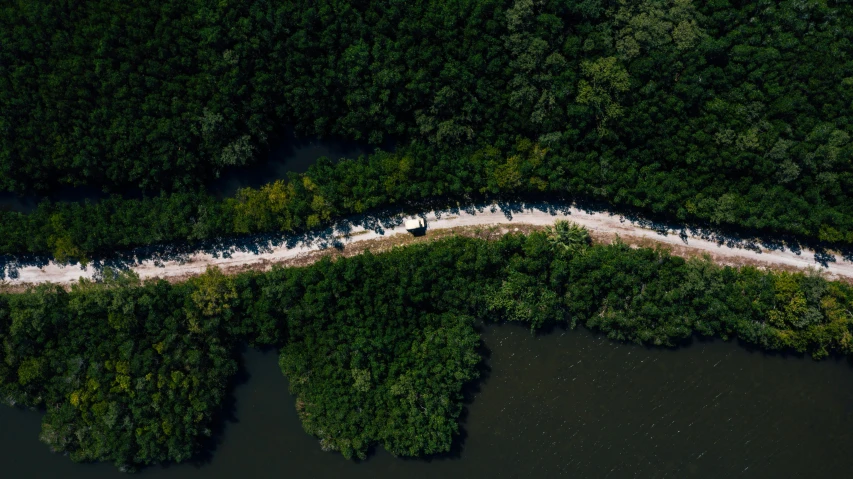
(414, 225)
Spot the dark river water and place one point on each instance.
(565, 404)
(290, 154)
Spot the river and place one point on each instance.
(289, 154)
(563, 404)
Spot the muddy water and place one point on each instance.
(566, 404)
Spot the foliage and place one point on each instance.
(119, 372)
(733, 114)
(377, 348)
(397, 384)
(647, 296)
(149, 94)
(729, 113)
(380, 347)
(604, 78)
(568, 236)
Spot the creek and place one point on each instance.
(290, 154)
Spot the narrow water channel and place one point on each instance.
(289, 154)
(565, 404)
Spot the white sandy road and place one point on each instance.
(599, 224)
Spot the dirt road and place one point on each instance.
(603, 226)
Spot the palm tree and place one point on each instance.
(568, 236)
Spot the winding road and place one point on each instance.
(602, 226)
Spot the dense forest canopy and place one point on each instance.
(377, 348)
(127, 373)
(729, 113)
(148, 94)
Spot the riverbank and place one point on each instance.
(580, 404)
(348, 238)
(334, 323)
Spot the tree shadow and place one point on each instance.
(470, 391)
(227, 412)
(335, 235)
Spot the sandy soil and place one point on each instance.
(346, 240)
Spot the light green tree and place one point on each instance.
(568, 236)
(604, 79)
(654, 24)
